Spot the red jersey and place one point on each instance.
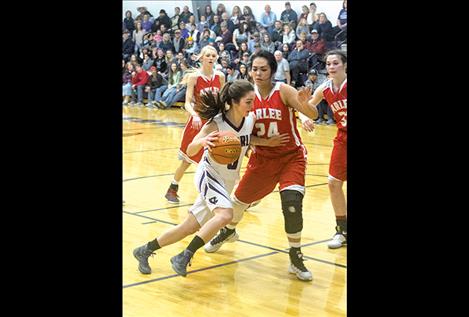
(337, 102)
(202, 85)
(206, 85)
(273, 117)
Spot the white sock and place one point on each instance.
(174, 182)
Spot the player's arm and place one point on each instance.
(206, 136)
(190, 94)
(306, 122)
(298, 100)
(275, 140)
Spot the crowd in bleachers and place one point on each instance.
(158, 51)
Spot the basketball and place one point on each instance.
(227, 148)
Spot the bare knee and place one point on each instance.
(335, 185)
(225, 216)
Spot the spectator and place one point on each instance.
(129, 22)
(241, 35)
(191, 47)
(268, 19)
(236, 16)
(135, 60)
(243, 72)
(157, 85)
(231, 74)
(194, 33)
(147, 61)
(146, 24)
(289, 15)
(313, 17)
(226, 18)
(176, 18)
(160, 62)
(298, 60)
(289, 35)
(317, 45)
(127, 46)
(162, 19)
(341, 22)
(302, 27)
(204, 39)
(223, 53)
(243, 49)
(245, 59)
(178, 41)
(267, 44)
(185, 15)
(169, 57)
(324, 28)
(257, 48)
(216, 25)
(127, 82)
(166, 44)
(174, 75)
(283, 69)
(313, 82)
(191, 23)
(249, 18)
(157, 38)
(137, 37)
(255, 40)
(304, 13)
(220, 9)
(202, 24)
(183, 29)
(209, 14)
(277, 33)
(180, 58)
(175, 93)
(142, 11)
(139, 80)
(227, 37)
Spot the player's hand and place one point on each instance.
(209, 139)
(196, 122)
(278, 140)
(308, 125)
(304, 94)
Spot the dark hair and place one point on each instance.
(212, 104)
(268, 56)
(339, 53)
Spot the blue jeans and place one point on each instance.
(127, 90)
(139, 90)
(155, 94)
(174, 96)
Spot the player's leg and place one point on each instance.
(337, 176)
(214, 214)
(292, 190)
(170, 236)
(258, 181)
(171, 194)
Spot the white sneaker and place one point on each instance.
(337, 241)
(216, 243)
(304, 276)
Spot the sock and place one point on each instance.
(230, 228)
(174, 182)
(195, 244)
(342, 223)
(296, 236)
(174, 185)
(153, 245)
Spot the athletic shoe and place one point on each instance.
(297, 267)
(142, 254)
(172, 195)
(337, 241)
(216, 243)
(180, 262)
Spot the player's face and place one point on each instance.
(334, 66)
(209, 58)
(246, 103)
(261, 71)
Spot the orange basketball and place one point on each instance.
(227, 148)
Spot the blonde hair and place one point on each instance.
(205, 49)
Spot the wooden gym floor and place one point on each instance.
(246, 278)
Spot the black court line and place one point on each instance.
(163, 149)
(199, 270)
(156, 220)
(164, 208)
(158, 175)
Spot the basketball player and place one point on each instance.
(334, 91)
(205, 80)
(274, 107)
(213, 208)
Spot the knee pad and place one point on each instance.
(292, 208)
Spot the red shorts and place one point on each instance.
(338, 163)
(264, 173)
(187, 137)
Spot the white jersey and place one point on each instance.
(215, 181)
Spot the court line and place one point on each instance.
(202, 269)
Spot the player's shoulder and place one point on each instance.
(220, 74)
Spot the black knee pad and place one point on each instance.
(292, 207)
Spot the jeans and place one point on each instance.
(127, 90)
(139, 90)
(170, 96)
(155, 94)
(323, 108)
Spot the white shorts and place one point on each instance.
(213, 193)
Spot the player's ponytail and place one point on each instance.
(211, 104)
